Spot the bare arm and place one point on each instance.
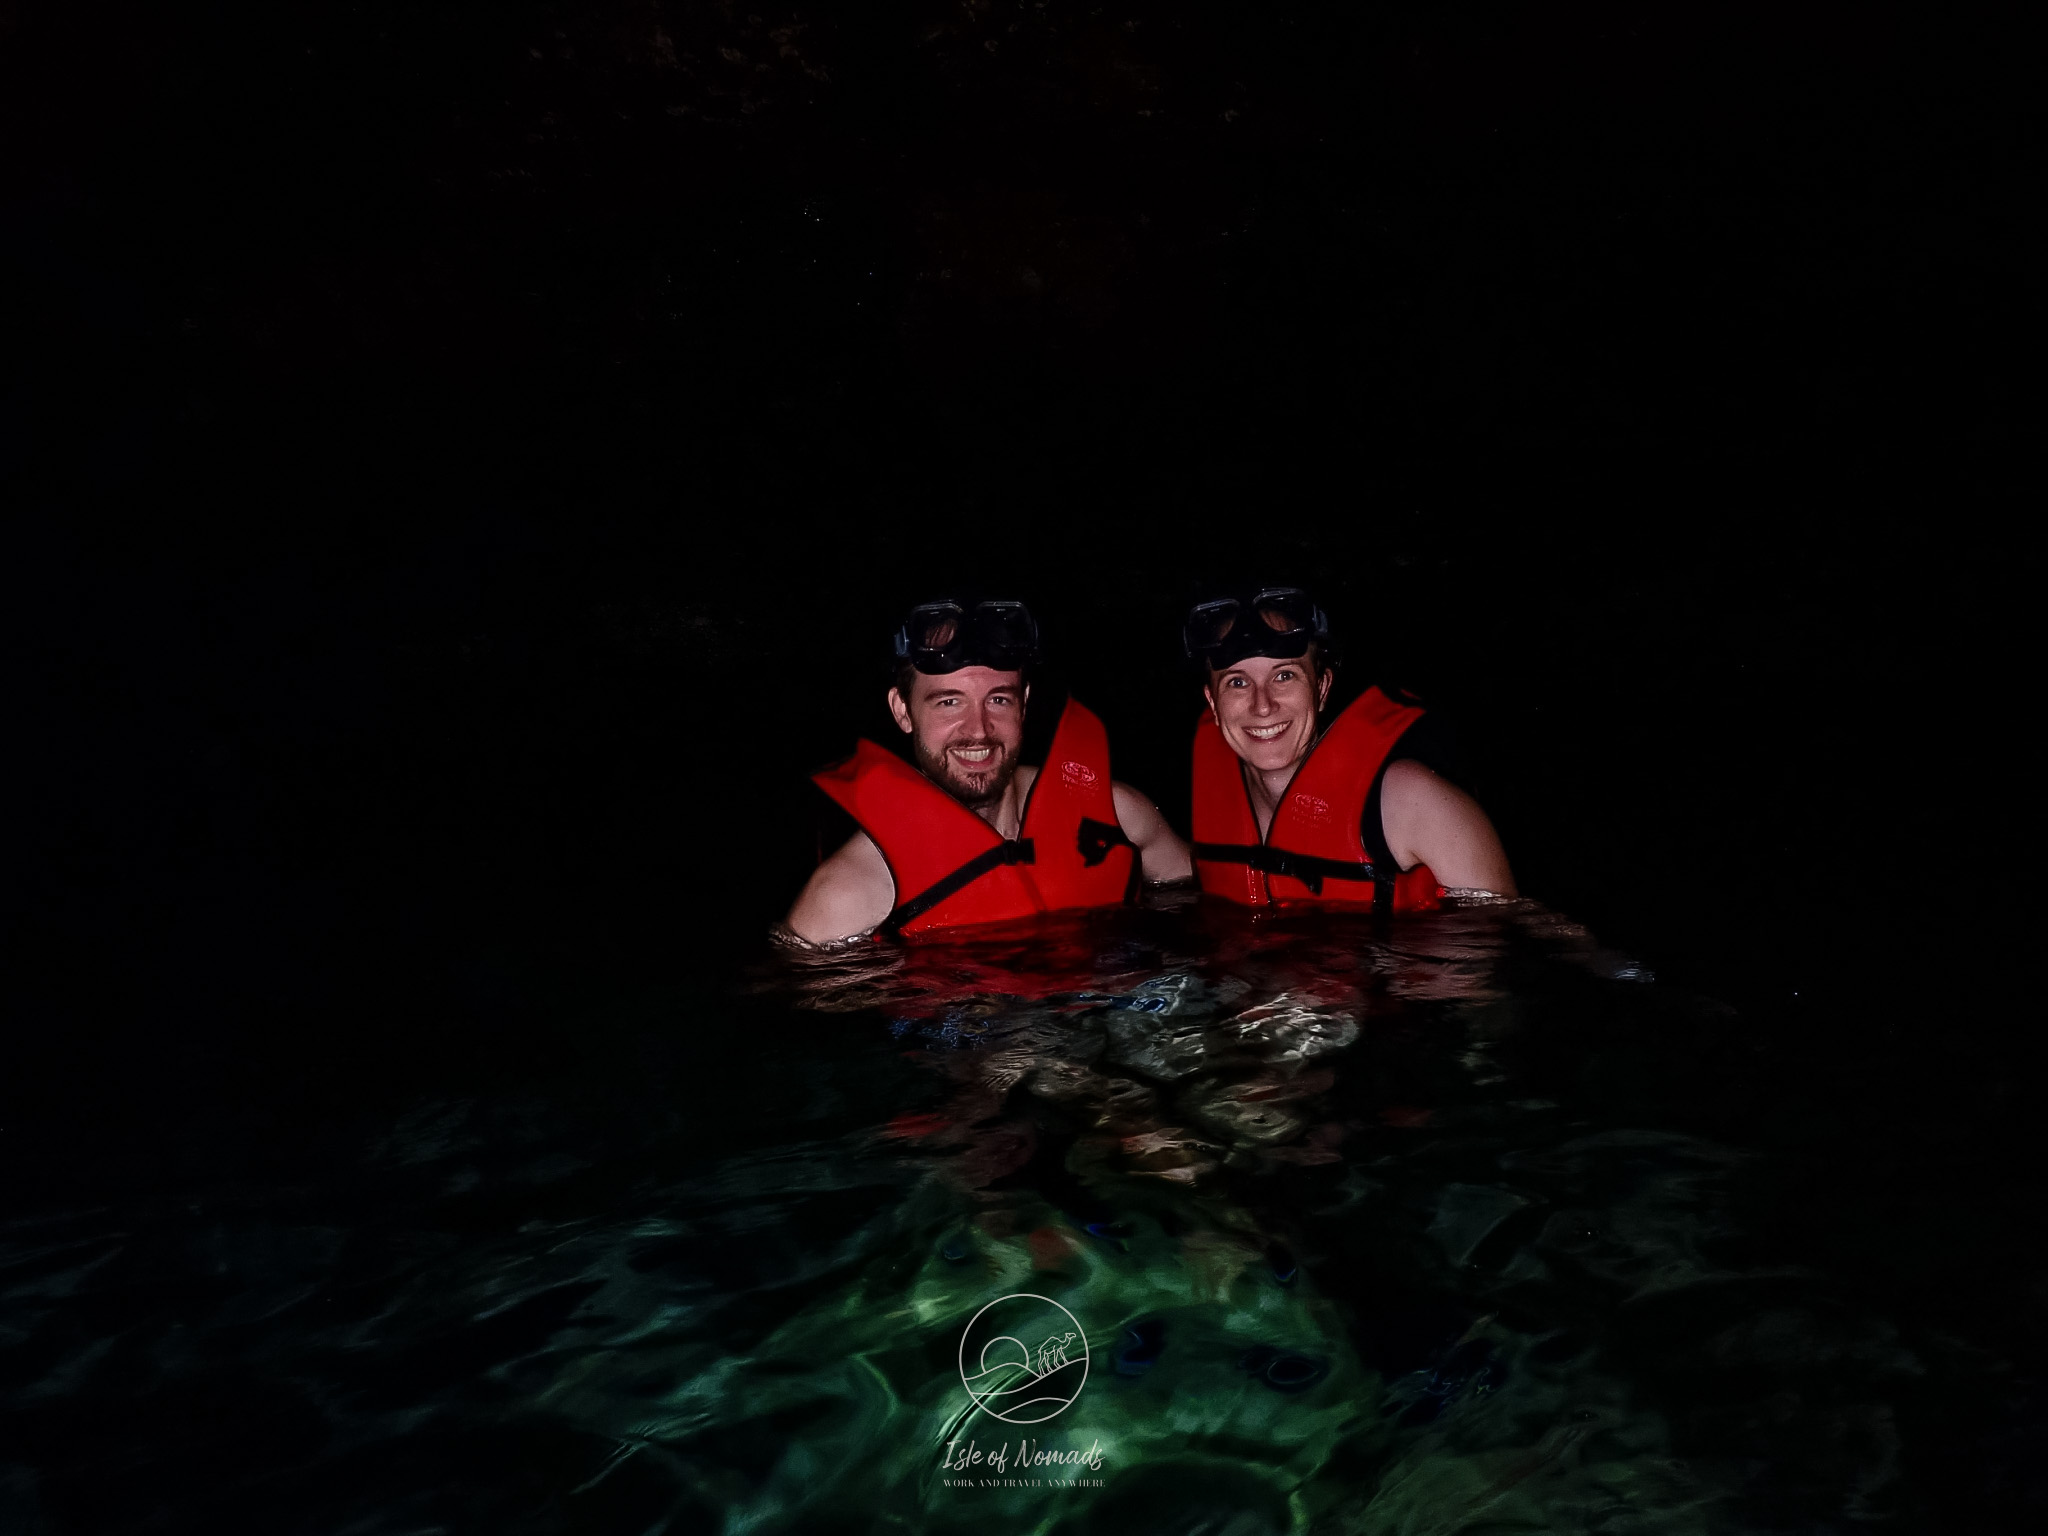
(1431, 821)
(1161, 853)
(848, 896)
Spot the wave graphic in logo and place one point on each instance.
(1023, 1358)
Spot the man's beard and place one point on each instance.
(984, 789)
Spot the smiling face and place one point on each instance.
(1267, 709)
(965, 730)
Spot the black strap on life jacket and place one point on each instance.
(1010, 851)
(1310, 870)
(1098, 838)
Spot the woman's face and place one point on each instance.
(1267, 709)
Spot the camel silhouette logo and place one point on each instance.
(1053, 1352)
(1023, 1358)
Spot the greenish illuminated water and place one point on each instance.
(1367, 1229)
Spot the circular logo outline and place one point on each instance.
(981, 1398)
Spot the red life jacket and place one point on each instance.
(949, 865)
(1314, 850)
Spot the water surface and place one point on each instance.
(1432, 1225)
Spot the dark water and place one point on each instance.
(1458, 1223)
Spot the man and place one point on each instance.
(970, 835)
(1345, 816)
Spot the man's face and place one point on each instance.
(965, 730)
(1267, 709)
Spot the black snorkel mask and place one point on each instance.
(1277, 622)
(943, 637)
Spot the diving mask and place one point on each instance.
(1279, 622)
(943, 637)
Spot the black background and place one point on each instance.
(465, 461)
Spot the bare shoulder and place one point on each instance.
(1162, 855)
(1414, 796)
(848, 895)
(1132, 806)
(1429, 820)
(1416, 782)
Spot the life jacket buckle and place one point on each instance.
(1281, 862)
(1097, 838)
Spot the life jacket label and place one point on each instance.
(1314, 807)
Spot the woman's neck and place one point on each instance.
(1268, 786)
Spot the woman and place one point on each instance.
(1283, 813)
